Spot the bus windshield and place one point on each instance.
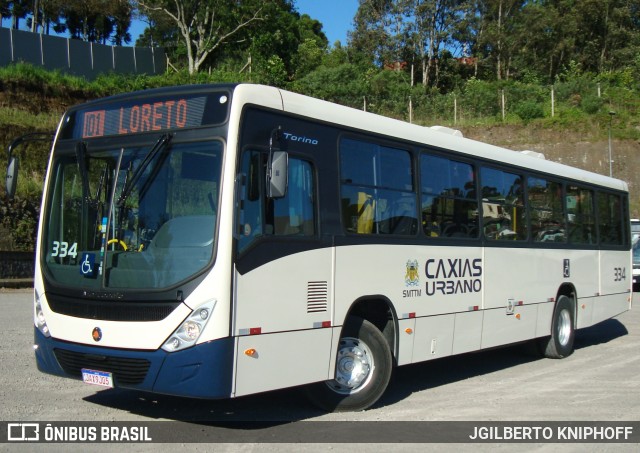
(138, 217)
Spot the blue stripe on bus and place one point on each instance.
(203, 371)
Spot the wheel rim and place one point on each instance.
(564, 327)
(354, 366)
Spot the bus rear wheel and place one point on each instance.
(560, 343)
(363, 370)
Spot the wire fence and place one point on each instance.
(519, 102)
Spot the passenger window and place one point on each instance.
(503, 212)
(449, 198)
(546, 210)
(377, 189)
(610, 219)
(292, 215)
(580, 215)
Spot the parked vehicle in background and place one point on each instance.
(636, 264)
(635, 229)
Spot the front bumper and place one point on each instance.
(203, 371)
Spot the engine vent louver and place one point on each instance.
(317, 296)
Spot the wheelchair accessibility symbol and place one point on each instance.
(88, 265)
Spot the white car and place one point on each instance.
(636, 264)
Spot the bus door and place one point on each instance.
(282, 309)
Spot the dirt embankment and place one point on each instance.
(35, 98)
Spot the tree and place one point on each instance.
(431, 32)
(500, 36)
(607, 31)
(312, 47)
(121, 21)
(545, 38)
(98, 20)
(160, 31)
(45, 14)
(371, 35)
(469, 30)
(15, 10)
(298, 41)
(206, 25)
(274, 45)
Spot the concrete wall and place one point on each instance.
(78, 57)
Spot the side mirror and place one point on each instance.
(277, 167)
(277, 174)
(11, 180)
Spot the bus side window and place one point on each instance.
(377, 189)
(503, 208)
(546, 210)
(260, 216)
(580, 215)
(449, 198)
(610, 219)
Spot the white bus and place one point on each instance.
(220, 241)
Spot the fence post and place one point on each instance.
(455, 110)
(502, 97)
(553, 102)
(41, 45)
(410, 110)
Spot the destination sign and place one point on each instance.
(149, 115)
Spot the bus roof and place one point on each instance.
(357, 119)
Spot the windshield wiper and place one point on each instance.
(161, 144)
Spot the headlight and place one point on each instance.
(39, 319)
(189, 331)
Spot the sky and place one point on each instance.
(336, 17)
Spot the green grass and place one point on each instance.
(41, 121)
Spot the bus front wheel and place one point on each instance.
(363, 370)
(560, 343)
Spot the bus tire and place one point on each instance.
(363, 370)
(560, 344)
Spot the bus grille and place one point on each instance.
(124, 370)
(111, 310)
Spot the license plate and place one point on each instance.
(94, 377)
